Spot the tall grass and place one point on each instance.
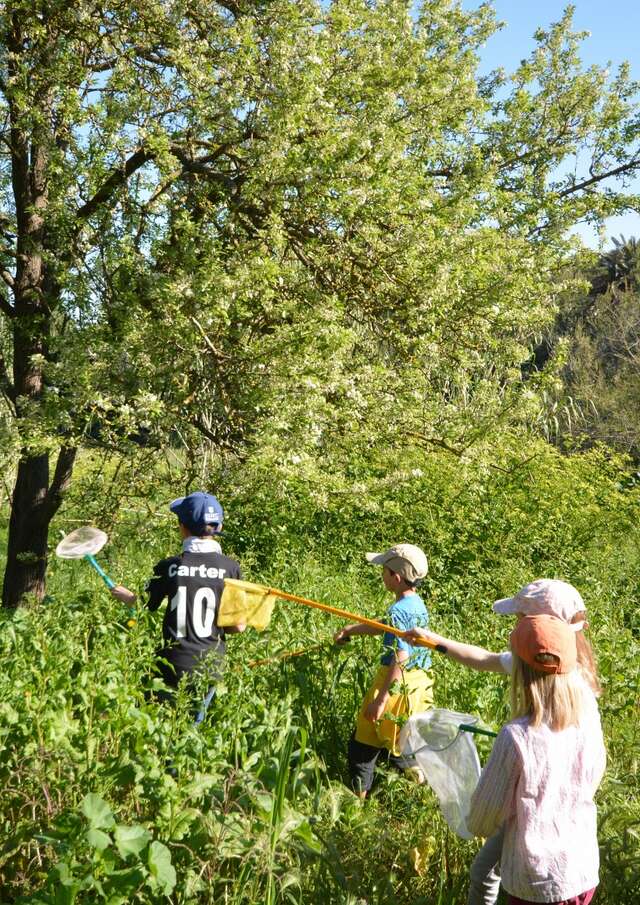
(110, 796)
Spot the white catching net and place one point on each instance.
(448, 758)
(82, 541)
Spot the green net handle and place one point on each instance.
(476, 730)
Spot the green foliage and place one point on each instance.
(259, 224)
(110, 794)
(115, 870)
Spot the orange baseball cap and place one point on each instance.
(535, 635)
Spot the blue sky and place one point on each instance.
(614, 38)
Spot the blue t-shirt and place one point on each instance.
(406, 613)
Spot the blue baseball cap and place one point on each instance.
(197, 511)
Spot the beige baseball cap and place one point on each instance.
(406, 560)
(544, 596)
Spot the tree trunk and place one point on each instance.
(34, 504)
(34, 501)
(27, 548)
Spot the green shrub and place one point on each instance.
(109, 796)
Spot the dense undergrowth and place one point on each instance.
(109, 796)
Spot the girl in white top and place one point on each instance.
(543, 596)
(546, 764)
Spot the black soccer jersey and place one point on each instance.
(193, 583)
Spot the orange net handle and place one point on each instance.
(354, 617)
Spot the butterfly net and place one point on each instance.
(82, 541)
(448, 758)
(245, 602)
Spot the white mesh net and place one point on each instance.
(448, 758)
(82, 541)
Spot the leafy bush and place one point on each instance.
(111, 796)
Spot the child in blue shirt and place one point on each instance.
(403, 685)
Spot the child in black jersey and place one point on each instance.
(193, 583)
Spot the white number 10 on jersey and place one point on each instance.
(204, 611)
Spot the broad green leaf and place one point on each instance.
(201, 783)
(63, 871)
(305, 833)
(130, 840)
(66, 895)
(97, 812)
(123, 883)
(67, 887)
(183, 822)
(8, 714)
(98, 839)
(160, 867)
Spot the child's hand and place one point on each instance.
(124, 595)
(375, 709)
(235, 629)
(415, 635)
(342, 637)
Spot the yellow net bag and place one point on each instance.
(245, 602)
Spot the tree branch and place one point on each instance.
(119, 176)
(102, 67)
(628, 167)
(221, 442)
(199, 165)
(446, 172)
(232, 7)
(434, 441)
(216, 352)
(113, 182)
(61, 478)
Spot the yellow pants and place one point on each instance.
(415, 696)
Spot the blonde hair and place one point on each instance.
(587, 663)
(550, 698)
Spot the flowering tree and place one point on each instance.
(272, 221)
